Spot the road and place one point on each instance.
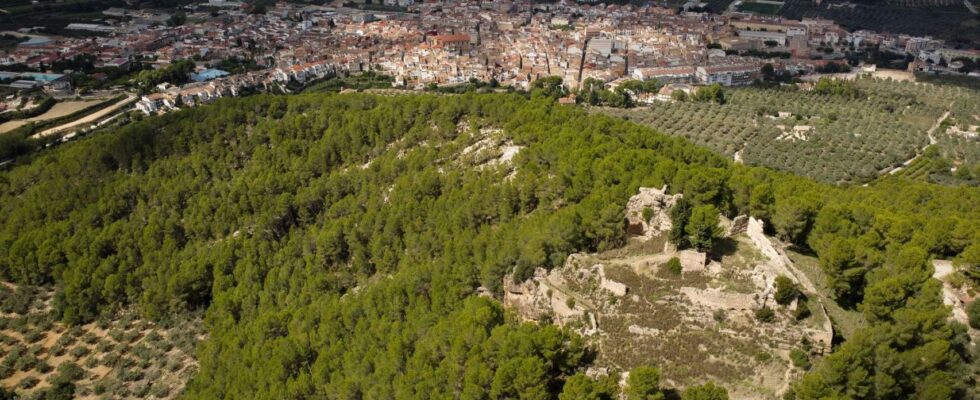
(88, 119)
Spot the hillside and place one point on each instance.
(339, 244)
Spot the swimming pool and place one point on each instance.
(208, 75)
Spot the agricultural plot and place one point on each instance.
(118, 358)
(828, 137)
(58, 111)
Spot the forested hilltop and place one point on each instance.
(338, 242)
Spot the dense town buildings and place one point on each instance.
(510, 42)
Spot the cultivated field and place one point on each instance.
(59, 110)
(835, 138)
(120, 357)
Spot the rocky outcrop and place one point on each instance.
(656, 204)
(953, 297)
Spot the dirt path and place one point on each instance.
(88, 119)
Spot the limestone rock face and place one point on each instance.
(657, 201)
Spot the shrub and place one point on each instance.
(800, 359)
(66, 339)
(116, 334)
(644, 383)
(160, 390)
(19, 324)
(34, 336)
(90, 338)
(60, 390)
(28, 382)
(786, 290)
(647, 214)
(174, 365)
(7, 339)
(707, 391)
(43, 367)
(130, 374)
(570, 302)
(973, 312)
(155, 338)
(25, 363)
(719, 315)
(74, 332)
(154, 375)
(70, 371)
(674, 266)
(103, 346)
(99, 388)
(132, 336)
(140, 390)
(765, 314)
(111, 360)
(802, 310)
(57, 350)
(79, 352)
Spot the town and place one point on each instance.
(439, 44)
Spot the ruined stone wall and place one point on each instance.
(738, 225)
(756, 230)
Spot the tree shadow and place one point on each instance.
(723, 247)
(800, 249)
(672, 394)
